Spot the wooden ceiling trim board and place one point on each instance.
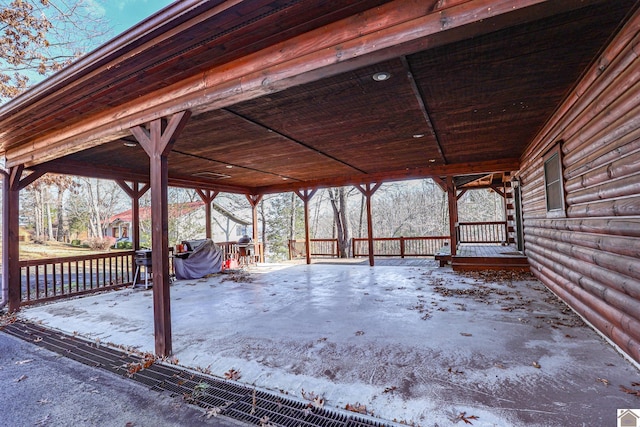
(423, 106)
(289, 138)
(223, 86)
(68, 167)
(499, 165)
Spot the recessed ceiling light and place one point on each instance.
(418, 135)
(381, 76)
(229, 166)
(130, 144)
(432, 160)
(284, 178)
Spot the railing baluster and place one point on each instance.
(28, 284)
(37, 281)
(46, 282)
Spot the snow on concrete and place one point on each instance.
(417, 345)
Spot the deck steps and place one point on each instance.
(466, 263)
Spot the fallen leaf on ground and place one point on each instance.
(603, 381)
(630, 391)
(536, 365)
(465, 334)
(232, 374)
(390, 389)
(358, 408)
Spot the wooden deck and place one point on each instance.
(489, 257)
(483, 257)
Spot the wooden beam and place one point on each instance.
(400, 27)
(440, 183)
(157, 143)
(11, 236)
(254, 199)
(134, 192)
(453, 214)
(433, 172)
(68, 167)
(6, 195)
(306, 196)
(368, 192)
(207, 197)
(422, 105)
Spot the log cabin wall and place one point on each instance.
(590, 257)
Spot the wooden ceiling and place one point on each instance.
(458, 103)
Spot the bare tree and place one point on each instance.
(339, 204)
(39, 37)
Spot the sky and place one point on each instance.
(124, 14)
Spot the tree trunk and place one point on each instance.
(49, 222)
(292, 218)
(339, 204)
(263, 231)
(60, 232)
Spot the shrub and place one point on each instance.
(100, 244)
(124, 245)
(76, 242)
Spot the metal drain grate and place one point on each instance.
(234, 401)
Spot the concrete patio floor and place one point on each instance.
(419, 345)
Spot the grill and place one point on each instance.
(143, 257)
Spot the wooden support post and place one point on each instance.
(254, 199)
(135, 192)
(10, 236)
(306, 196)
(207, 197)
(6, 195)
(157, 142)
(368, 192)
(453, 213)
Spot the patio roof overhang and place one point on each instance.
(283, 97)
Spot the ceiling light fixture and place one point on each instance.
(130, 144)
(381, 76)
(432, 160)
(229, 166)
(418, 135)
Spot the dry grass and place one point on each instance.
(52, 249)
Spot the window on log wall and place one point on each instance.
(553, 182)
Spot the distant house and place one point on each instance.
(190, 222)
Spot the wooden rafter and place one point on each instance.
(423, 107)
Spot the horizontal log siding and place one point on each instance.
(591, 258)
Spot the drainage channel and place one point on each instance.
(217, 396)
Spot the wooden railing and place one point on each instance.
(383, 246)
(399, 246)
(319, 248)
(54, 278)
(230, 250)
(482, 232)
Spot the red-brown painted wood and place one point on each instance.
(157, 143)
